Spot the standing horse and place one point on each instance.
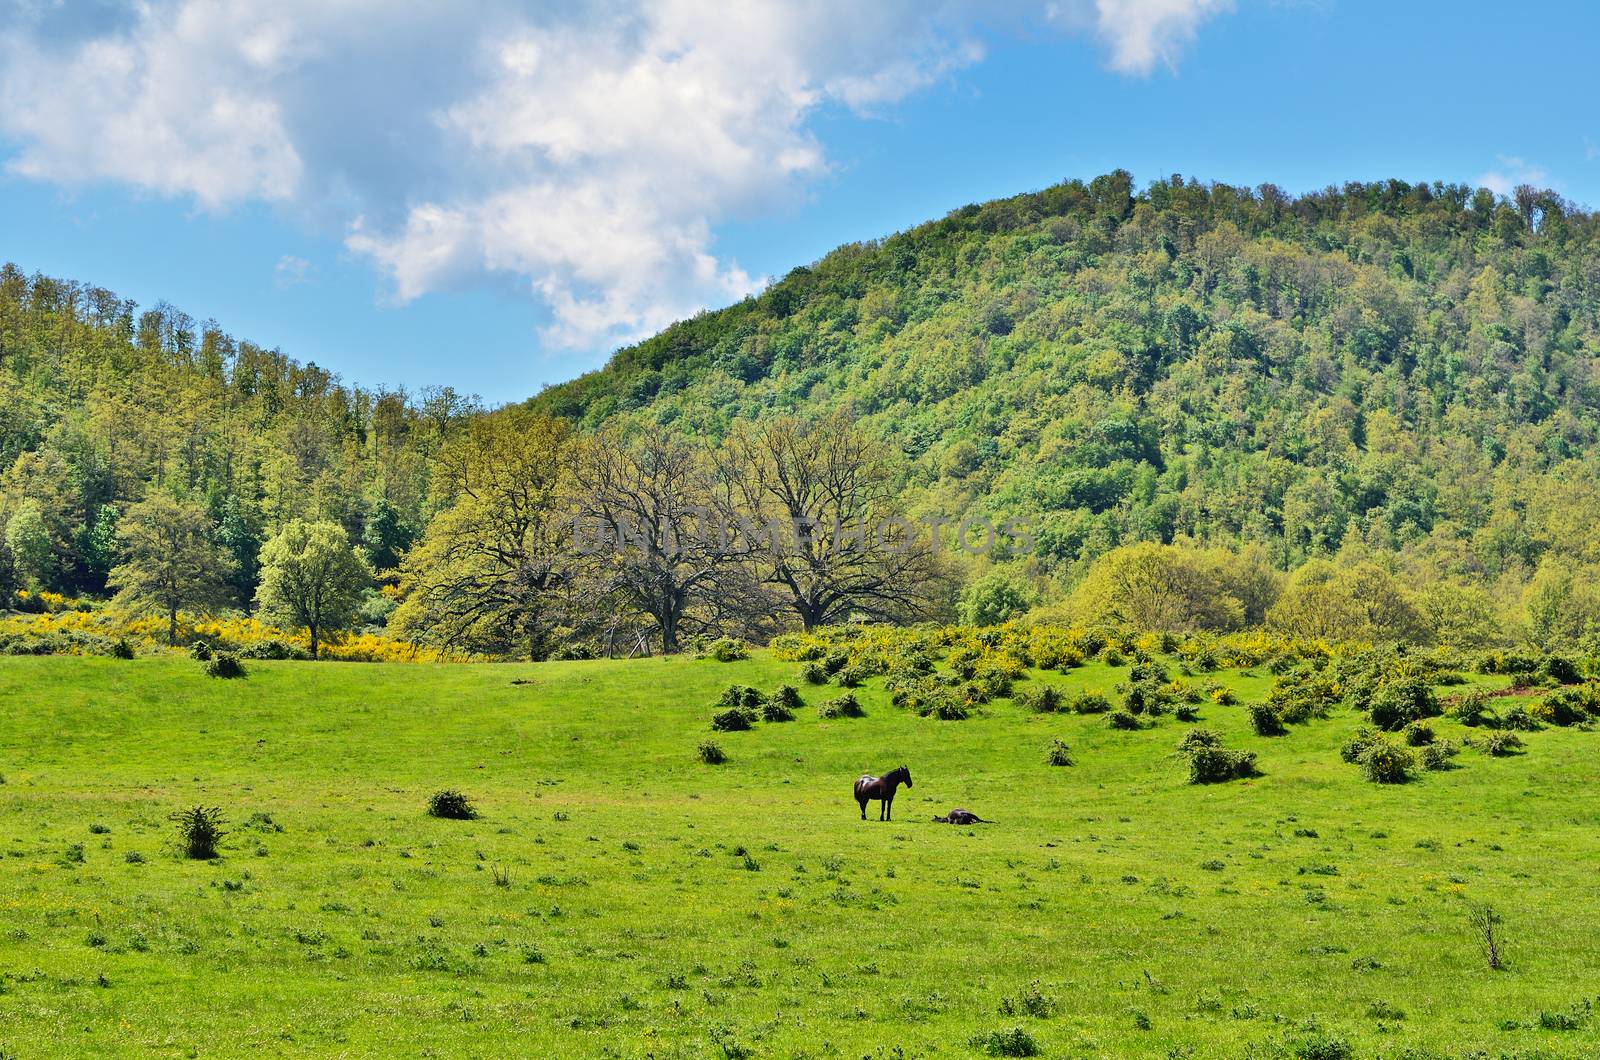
(882, 788)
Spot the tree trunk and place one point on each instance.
(313, 630)
(669, 634)
(172, 628)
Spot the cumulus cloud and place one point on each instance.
(291, 271)
(1139, 35)
(583, 156)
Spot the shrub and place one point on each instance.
(1187, 713)
(1517, 719)
(1044, 699)
(1358, 743)
(1013, 1042)
(946, 708)
(844, 706)
(835, 661)
(1221, 695)
(451, 805)
(225, 665)
(813, 674)
(740, 696)
(773, 709)
(1265, 720)
(711, 754)
(199, 830)
(725, 649)
(1561, 670)
(1401, 700)
(1569, 706)
(121, 649)
(1436, 756)
(1473, 711)
(852, 676)
(1198, 738)
(1213, 765)
(1121, 719)
(271, 649)
(1500, 744)
(787, 695)
(1089, 703)
(200, 651)
(734, 719)
(1418, 734)
(1058, 754)
(1112, 657)
(1385, 762)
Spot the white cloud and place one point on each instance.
(1139, 34)
(585, 158)
(291, 271)
(1510, 171)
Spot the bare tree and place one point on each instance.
(835, 542)
(657, 532)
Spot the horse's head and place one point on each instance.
(905, 771)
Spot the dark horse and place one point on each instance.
(881, 788)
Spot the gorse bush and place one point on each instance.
(812, 673)
(844, 706)
(1123, 720)
(1436, 755)
(725, 649)
(1215, 764)
(199, 831)
(1499, 744)
(1357, 744)
(1265, 721)
(785, 696)
(1089, 702)
(451, 805)
(200, 651)
(1385, 762)
(734, 719)
(1402, 700)
(1418, 734)
(1012, 1042)
(225, 665)
(740, 696)
(711, 754)
(1197, 738)
(1043, 699)
(1058, 753)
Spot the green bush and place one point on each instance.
(200, 651)
(844, 706)
(711, 754)
(1198, 738)
(1402, 700)
(1436, 756)
(1043, 699)
(1089, 703)
(813, 674)
(1357, 744)
(1473, 710)
(1385, 762)
(1418, 734)
(1500, 744)
(1559, 669)
(1121, 719)
(725, 649)
(1058, 753)
(1013, 1042)
(225, 665)
(740, 696)
(1570, 706)
(199, 830)
(734, 719)
(1187, 713)
(1214, 765)
(1265, 721)
(451, 805)
(1518, 719)
(121, 649)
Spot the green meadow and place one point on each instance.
(618, 897)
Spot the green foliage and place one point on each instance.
(711, 754)
(734, 719)
(224, 665)
(1383, 761)
(312, 579)
(725, 649)
(844, 706)
(1210, 762)
(1265, 720)
(199, 831)
(451, 805)
(1058, 753)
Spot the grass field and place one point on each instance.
(618, 897)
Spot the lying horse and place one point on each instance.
(960, 816)
(870, 787)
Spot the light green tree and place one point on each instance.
(312, 579)
(168, 561)
(28, 539)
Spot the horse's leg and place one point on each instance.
(888, 807)
(863, 803)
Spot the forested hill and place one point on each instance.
(1405, 369)
(100, 402)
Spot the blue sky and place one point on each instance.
(494, 196)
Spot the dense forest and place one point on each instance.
(1393, 379)
(101, 404)
(1391, 372)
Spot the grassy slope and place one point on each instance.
(364, 924)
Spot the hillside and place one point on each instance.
(1401, 371)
